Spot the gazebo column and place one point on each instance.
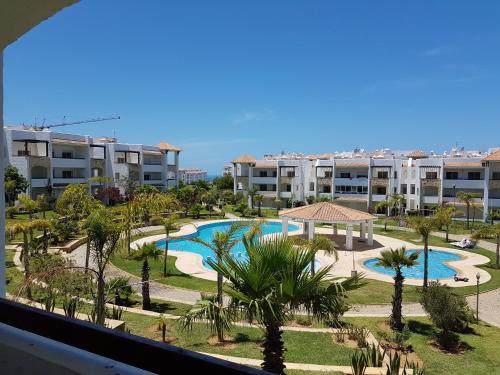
(310, 230)
(284, 224)
(370, 233)
(362, 232)
(335, 229)
(348, 237)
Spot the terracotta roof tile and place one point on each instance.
(245, 159)
(327, 212)
(351, 163)
(417, 154)
(462, 164)
(494, 156)
(165, 146)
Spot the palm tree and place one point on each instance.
(386, 206)
(218, 317)
(221, 244)
(396, 259)
(396, 201)
(144, 253)
(252, 193)
(445, 215)
(258, 199)
(315, 244)
(490, 231)
(170, 224)
(277, 201)
(424, 226)
(274, 283)
(468, 200)
(210, 198)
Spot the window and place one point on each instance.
(147, 177)
(238, 187)
(474, 175)
(328, 174)
(67, 174)
(275, 173)
(404, 189)
(345, 174)
(431, 175)
(412, 189)
(290, 173)
(362, 175)
(395, 174)
(117, 176)
(311, 186)
(327, 189)
(495, 176)
(395, 190)
(263, 174)
(381, 190)
(383, 175)
(263, 187)
(288, 187)
(452, 175)
(67, 155)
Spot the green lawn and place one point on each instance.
(482, 359)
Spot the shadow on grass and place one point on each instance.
(421, 328)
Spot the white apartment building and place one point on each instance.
(50, 161)
(190, 175)
(361, 179)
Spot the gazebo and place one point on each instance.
(331, 213)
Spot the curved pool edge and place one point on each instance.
(192, 263)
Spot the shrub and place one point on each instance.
(241, 207)
(448, 311)
(10, 212)
(358, 334)
(249, 212)
(156, 220)
(120, 288)
(303, 321)
(64, 230)
(358, 363)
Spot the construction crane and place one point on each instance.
(97, 119)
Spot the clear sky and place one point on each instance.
(223, 78)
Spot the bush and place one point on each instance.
(412, 212)
(249, 212)
(10, 212)
(156, 220)
(448, 311)
(64, 230)
(303, 321)
(241, 207)
(121, 289)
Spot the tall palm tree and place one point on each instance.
(259, 198)
(169, 224)
(396, 201)
(252, 192)
(221, 244)
(467, 199)
(274, 283)
(424, 226)
(491, 231)
(396, 259)
(445, 215)
(145, 253)
(384, 205)
(315, 244)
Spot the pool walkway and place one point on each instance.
(489, 301)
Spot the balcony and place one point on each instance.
(285, 194)
(153, 182)
(463, 184)
(152, 168)
(69, 163)
(70, 180)
(378, 197)
(355, 181)
(39, 182)
(494, 202)
(380, 181)
(457, 201)
(430, 200)
(263, 180)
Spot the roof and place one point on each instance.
(244, 159)
(462, 164)
(165, 146)
(327, 212)
(63, 141)
(495, 156)
(351, 163)
(266, 164)
(417, 154)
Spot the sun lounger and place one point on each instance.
(464, 244)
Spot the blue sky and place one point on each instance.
(222, 78)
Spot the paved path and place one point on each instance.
(489, 302)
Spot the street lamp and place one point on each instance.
(477, 296)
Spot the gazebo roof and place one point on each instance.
(165, 146)
(327, 212)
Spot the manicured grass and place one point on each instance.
(302, 347)
(482, 358)
(175, 277)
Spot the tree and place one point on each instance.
(396, 259)
(273, 284)
(221, 244)
(225, 182)
(187, 197)
(315, 244)
(396, 202)
(490, 231)
(144, 254)
(468, 200)
(112, 195)
(424, 226)
(252, 193)
(448, 311)
(27, 204)
(42, 204)
(259, 198)
(146, 189)
(102, 235)
(14, 183)
(384, 205)
(210, 198)
(170, 224)
(75, 202)
(277, 202)
(444, 215)
(217, 316)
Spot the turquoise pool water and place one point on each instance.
(206, 232)
(437, 267)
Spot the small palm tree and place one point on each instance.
(252, 193)
(444, 215)
(491, 231)
(468, 200)
(396, 201)
(396, 259)
(221, 244)
(259, 198)
(315, 244)
(384, 205)
(218, 317)
(274, 283)
(424, 226)
(277, 202)
(144, 254)
(170, 224)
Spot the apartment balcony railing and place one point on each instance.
(77, 346)
(463, 184)
(376, 181)
(494, 184)
(430, 182)
(39, 182)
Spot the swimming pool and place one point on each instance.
(206, 233)
(437, 267)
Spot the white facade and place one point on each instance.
(190, 175)
(360, 179)
(50, 161)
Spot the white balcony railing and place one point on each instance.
(351, 181)
(431, 200)
(69, 163)
(463, 184)
(286, 194)
(73, 180)
(39, 182)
